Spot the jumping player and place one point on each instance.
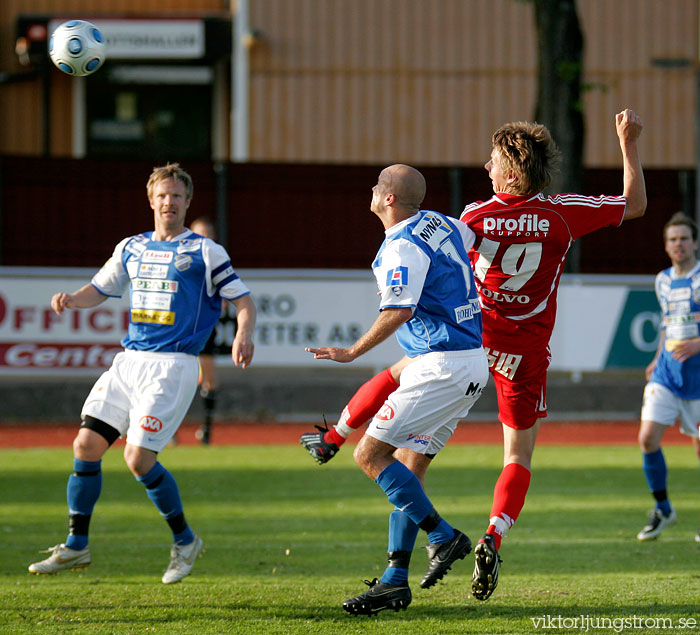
(523, 238)
(429, 300)
(673, 376)
(176, 281)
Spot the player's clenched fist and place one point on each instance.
(61, 301)
(628, 124)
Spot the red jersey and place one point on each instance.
(519, 255)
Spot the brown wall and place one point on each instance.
(421, 81)
(64, 212)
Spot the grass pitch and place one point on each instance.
(287, 541)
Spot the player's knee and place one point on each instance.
(89, 446)
(647, 443)
(139, 460)
(361, 456)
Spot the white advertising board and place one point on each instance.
(600, 324)
(295, 309)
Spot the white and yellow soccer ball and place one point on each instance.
(77, 47)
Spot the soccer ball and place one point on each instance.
(77, 48)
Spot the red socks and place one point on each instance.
(508, 499)
(363, 405)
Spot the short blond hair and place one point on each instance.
(170, 171)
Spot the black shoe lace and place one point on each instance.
(325, 423)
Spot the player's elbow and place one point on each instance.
(635, 208)
(404, 314)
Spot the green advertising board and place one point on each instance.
(637, 334)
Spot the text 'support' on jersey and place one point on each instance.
(175, 289)
(519, 255)
(679, 298)
(423, 264)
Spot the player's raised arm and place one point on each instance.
(629, 126)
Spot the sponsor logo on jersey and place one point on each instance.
(397, 291)
(467, 311)
(432, 229)
(419, 439)
(682, 293)
(183, 262)
(523, 225)
(151, 300)
(397, 276)
(136, 248)
(474, 389)
(189, 244)
(151, 255)
(170, 286)
(679, 307)
(504, 363)
(681, 319)
(386, 413)
(508, 298)
(151, 424)
(152, 317)
(147, 270)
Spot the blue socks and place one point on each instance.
(402, 537)
(162, 489)
(413, 511)
(444, 532)
(404, 490)
(655, 471)
(83, 490)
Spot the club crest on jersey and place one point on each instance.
(397, 291)
(397, 277)
(151, 424)
(183, 262)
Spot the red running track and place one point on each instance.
(28, 435)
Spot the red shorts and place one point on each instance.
(521, 385)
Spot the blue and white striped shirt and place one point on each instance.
(175, 289)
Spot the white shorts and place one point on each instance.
(660, 405)
(436, 392)
(145, 395)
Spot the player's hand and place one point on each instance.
(628, 125)
(62, 301)
(242, 352)
(686, 349)
(650, 369)
(342, 355)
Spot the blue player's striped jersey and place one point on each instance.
(679, 298)
(423, 264)
(175, 289)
